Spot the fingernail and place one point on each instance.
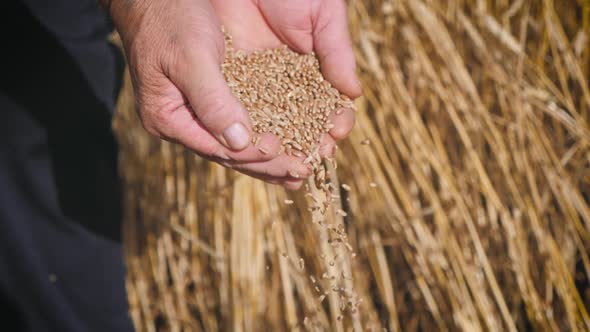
(237, 136)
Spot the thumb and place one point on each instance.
(200, 79)
(333, 47)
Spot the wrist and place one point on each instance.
(125, 14)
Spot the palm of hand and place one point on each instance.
(260, 24)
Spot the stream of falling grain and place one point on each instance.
(286, 94)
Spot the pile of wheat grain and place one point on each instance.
(285, 94)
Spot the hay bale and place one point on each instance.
(467, 189)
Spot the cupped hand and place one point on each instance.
(175, 50)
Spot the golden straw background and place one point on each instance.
(477, 113)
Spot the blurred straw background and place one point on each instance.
(469, 207)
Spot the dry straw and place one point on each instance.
(476, 114)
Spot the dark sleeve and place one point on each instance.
(71, 19)
(82, 27)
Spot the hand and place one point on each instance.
(175, 49)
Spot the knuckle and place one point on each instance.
(151, 126)
(151, 129)
(160, 120)
(155, 121)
